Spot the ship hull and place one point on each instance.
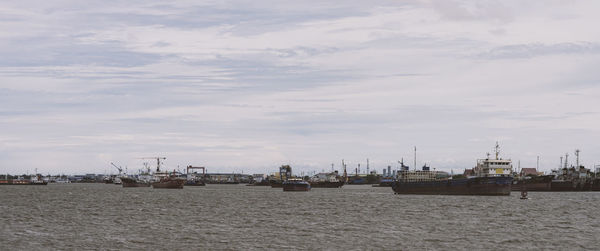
(296, 187)
(129, 182)
(22, 182)
(326, 184)
(276, 184)
(169, 184)
(536, 184)
(489, 186)
(262, 183)
(549, 185)
(195, 183)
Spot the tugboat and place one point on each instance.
(492, 177)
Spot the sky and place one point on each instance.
(247, 86)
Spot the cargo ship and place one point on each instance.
(491, 177)
(565, 179)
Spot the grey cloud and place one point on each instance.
(64, 52)
(539, 49)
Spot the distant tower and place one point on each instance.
(537, 164)
(368, 166)
(567, 160)
(561, 162)
(577, 158)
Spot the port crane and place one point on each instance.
(190, 167)
(118, 168)
(187, 171)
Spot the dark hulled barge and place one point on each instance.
(295, 185)
(134, 182)
(565, 179)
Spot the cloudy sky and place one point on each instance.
(251, 85)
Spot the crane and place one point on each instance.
(118, 168)
(187, 171)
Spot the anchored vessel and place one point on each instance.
(133, 182)
(34, 180)
(291, 184)
(166, 179)
(574, 178)
(329, 180)
(491, 177)
(295, 185)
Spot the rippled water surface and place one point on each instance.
(102, 216)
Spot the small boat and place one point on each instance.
(524, 195)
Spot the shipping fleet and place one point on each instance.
(490, 176)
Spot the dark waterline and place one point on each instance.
(101, 216)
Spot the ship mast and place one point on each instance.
(497, 150)
(566, 160)
(415, 166)
(157, 161)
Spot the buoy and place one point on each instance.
(524, 195)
